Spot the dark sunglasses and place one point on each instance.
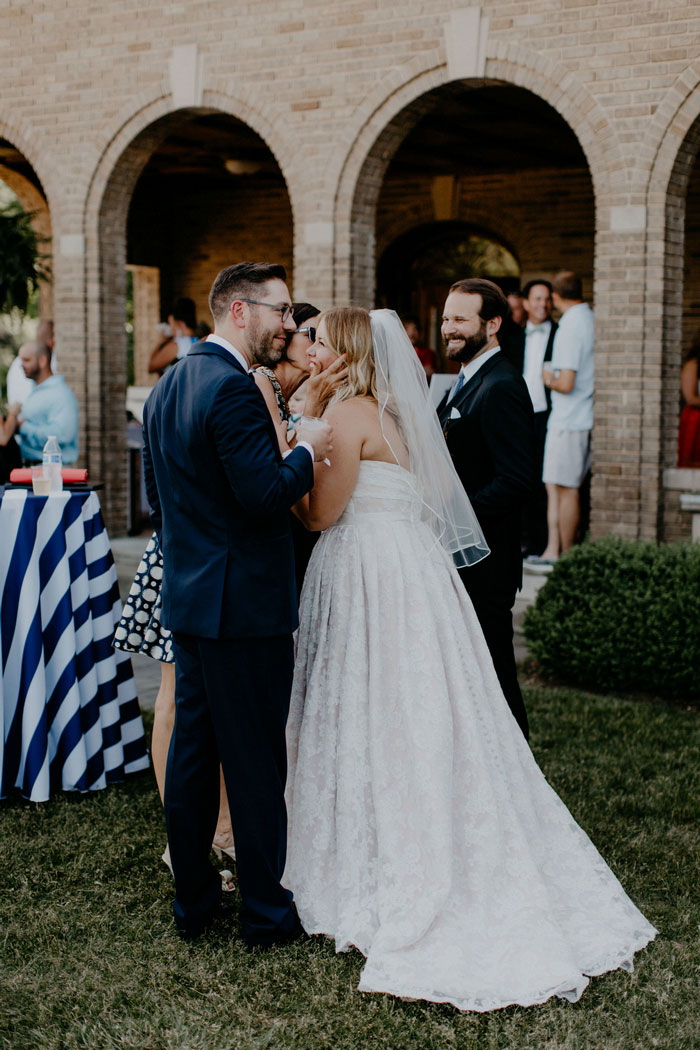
(310, 333)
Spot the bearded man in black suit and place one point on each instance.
(488, 424)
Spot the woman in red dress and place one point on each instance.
(689, 431)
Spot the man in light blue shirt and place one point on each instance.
(19, 387)
(50, 409)
(570, 377)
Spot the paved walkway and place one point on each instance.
(127, 552)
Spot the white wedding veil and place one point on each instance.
(402, 392)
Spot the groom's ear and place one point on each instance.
(237, 313)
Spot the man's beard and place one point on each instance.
(261, 344)
(471, 345)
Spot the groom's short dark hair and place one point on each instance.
(241, 281)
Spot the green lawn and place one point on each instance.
(89, 957)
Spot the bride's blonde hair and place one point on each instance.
(349, 332)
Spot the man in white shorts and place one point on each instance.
(569, 375)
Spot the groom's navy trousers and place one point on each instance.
(232, 701)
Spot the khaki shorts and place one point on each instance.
(567, 457)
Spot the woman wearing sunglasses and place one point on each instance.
(278, 384)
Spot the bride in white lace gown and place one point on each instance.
(421, 829)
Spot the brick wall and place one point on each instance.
(197, 227)
(546, 217)
(333, 87)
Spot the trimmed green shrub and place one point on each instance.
(621, 615)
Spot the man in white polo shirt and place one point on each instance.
(570, 378)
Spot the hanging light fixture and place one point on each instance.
(242, 167)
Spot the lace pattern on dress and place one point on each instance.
(421, 830)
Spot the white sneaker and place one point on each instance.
(538, 566)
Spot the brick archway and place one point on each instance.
(112, 185)
(146, 112)
(30, 147)
(418, 261)
(479, 218)
(35, 201)
(671, 148)
(386, 117)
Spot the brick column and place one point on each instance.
(69, 317)
(313, 253)
(625, 490)
(106, 349)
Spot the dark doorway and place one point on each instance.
(415, 272)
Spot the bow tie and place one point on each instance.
(534, 327)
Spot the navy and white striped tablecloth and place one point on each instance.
(69, 716)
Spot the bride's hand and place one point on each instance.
(321, 385)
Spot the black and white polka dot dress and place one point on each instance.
(140, 629)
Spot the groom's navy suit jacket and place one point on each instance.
(220, 496)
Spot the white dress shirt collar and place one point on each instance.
(220, 341)
(472, 367)
(545, 326)
(536, 339)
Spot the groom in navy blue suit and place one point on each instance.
(220, 495)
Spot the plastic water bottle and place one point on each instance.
(53, 461)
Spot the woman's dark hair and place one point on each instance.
(302, 312)
(184, 310)
(493, 301)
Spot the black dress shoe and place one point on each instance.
(277, 938)
(194, 930)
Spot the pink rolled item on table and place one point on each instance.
(70, 475)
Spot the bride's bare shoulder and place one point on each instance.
(354, 409)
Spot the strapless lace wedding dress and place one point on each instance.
(421, 829)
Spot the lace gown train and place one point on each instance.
(421, 828)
